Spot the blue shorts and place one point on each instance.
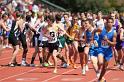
(106, 52)
(1, 33)
(93, 52)
(7, 34)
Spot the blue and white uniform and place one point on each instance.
(1, 31)
(94, 47)
(88, 36)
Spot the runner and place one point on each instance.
(53, 43)
(25, 27)
(81, 41)
(73, 45)
(37, 39)
(116, 26)
(88, 40)
(94, 53)
(67, 25)
(3, 27)
(14, 39)
(107, 39)
(56, 30)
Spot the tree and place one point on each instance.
(86, 5)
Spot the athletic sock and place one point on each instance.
(32, 60)
(41, 60)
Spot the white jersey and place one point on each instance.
(9, 23)
(100, 23)
(53, 35)
(33, 20)
(44, 38)
(82, 44)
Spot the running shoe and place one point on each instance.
(87, 68)
(32, 65)
(121, 67)
(102, 80)
(84, 71)
(24, 63)
(11, 65)
(64, 65)
(45, 64)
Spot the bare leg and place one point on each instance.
(95, 65)
(105, 64)
(75, 43)
(55, 60)
(100, 62)
(34, 55)
(16, 50)
(67, 53)
(82, 62)
(86, 51)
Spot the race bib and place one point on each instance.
(104, 44)
(52, 34)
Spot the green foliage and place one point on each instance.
(90, 5)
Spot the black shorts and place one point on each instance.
(118, 44)
(81, 49)
(44, 44)
(14, 40)
(22, 39)
(118, 47)
(53, 46)
(68, 40)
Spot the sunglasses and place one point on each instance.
(75, 19)
(112, 16)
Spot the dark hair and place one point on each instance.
(28, 18)
(5, 14)
(110, 19)
(18, 15)
(50, 17)
(58, 17)
(83, 20)
(90, 21)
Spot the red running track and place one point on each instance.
(39, 74)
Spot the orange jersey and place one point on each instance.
(73, 30)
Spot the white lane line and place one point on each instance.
(60, 75)
(105, 74)
(18, 74)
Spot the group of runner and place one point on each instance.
(87, 35)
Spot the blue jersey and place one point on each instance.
(96, 37)
(104, 48)
(1, 31)
(94, 47)
(88, 36)
(102, 43)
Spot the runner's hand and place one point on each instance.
(105, 38)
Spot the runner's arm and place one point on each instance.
(5, 27)
(66, 33)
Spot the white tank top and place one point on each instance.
(53, 34)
